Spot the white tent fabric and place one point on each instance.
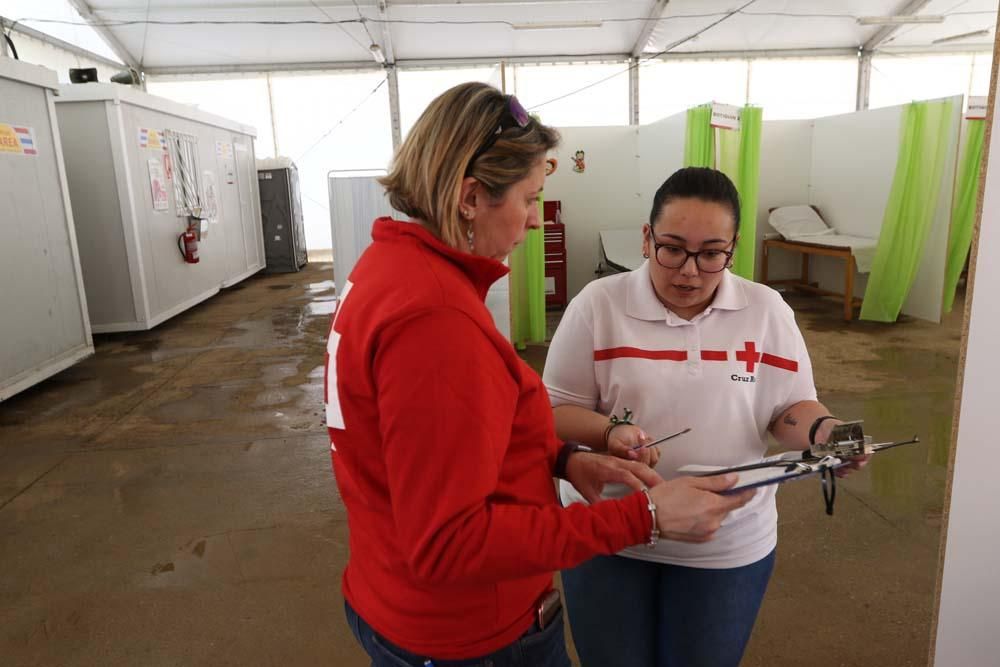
(170, 35)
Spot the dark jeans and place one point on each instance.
(535, 648)
(635, 613)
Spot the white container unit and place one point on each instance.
(137, 165)
(44, 326)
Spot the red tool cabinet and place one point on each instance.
(555, 255)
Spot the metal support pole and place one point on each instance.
(864, 80)
(397, 134)
(270, 110)
(633, 91)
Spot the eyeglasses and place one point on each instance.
(671, 256)
(514, 115)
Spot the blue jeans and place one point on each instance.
(535, 648)
(635, 613)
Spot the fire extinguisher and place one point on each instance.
(187, 243)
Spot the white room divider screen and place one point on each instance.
(844, 165)
(355, 202)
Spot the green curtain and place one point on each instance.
(910, 210)
(963, 212)
(527, 288)
(699, 138)
(739, 159)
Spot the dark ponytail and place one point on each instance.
(697, 183)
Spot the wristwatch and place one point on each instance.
(569, 447)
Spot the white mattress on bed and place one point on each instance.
(861, 247)
(623, 247)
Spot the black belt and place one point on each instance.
(547, 609)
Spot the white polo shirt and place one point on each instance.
(727, 374)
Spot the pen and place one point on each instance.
(661, 440)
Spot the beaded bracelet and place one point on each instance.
(616, 421)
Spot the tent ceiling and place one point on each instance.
(412, 30)
(766, 24)
(962, 17)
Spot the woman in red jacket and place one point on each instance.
(443, 442)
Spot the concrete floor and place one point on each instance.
(169, 501)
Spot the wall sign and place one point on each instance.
(151, 139)
(158, 186)
(725, 116)
(977, 108)
(18, 139)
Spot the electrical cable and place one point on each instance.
(145, 34)
(7, 38)
(113, 23)
(342, 28)
(13, 49)
(342, 120)
(364, 22)
(643, 61)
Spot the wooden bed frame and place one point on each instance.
(803, 282)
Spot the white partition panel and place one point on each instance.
(604, 196)
(786, 156)
(970, 588)
(661, 153)
(845, 165)
(853, 164)
(355, 203)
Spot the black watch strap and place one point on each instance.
(569, 447)
(815, 427)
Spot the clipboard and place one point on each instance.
(784, 467)
(793, 465)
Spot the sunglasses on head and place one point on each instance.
(514, 115)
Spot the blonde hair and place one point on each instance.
(425, 180)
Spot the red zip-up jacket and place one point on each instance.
(443, 446)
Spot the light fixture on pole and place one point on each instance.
(377, 54)
(899, 20)
(557, 25)
(964, 35)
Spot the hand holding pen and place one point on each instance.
(624, 442)
(660, 441)
(631, 442)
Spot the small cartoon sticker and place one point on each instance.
(579, 166)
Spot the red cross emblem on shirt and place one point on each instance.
(749, 354)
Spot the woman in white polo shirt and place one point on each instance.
(681, 342)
